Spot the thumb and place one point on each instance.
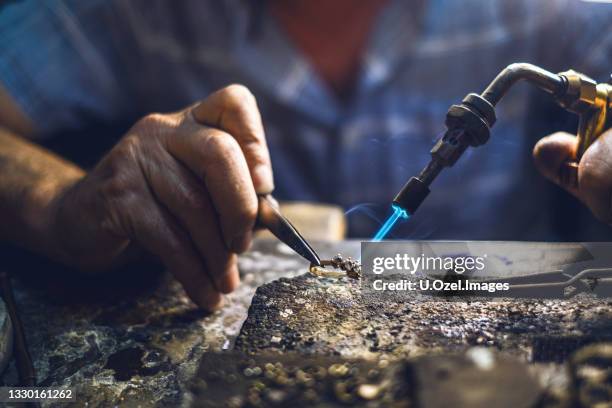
(551, 152)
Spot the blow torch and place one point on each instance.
(469, 124)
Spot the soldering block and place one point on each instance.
(312, 315)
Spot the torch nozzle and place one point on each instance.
(411, 195)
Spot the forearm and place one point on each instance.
(31, 178)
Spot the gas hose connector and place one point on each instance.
(468, 124)
(475, 116)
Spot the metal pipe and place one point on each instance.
(430, 172)
(513, 73)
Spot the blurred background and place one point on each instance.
(352, 94)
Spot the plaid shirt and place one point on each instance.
(69, 63)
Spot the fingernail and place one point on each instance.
(262, 179)
(241, 243)
(229, 281)
(210, 301)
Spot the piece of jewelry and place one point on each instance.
(337, 267)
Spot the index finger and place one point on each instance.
(233, 109)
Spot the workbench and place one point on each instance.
(145, 346)
(141, 346)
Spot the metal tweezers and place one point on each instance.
(270, 217)
(558, 284)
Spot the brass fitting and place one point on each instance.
(592, 102)
(580, 93)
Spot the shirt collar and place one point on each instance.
(274, 64)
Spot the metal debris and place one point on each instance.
(591, 376)
(295, 380)
(298, 380)
(368, 391)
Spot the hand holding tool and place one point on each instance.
(270, 217)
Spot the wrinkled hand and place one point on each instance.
(181, 186)
(594, 171)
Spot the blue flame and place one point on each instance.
(398, 212)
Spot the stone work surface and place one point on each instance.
(138, 348)
(304, 340)
(311, 315)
